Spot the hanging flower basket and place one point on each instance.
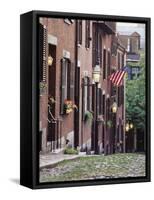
(88, 117)
(109, 123)
(69, 106)
(43, 88)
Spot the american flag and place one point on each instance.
(117, 76)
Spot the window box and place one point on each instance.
(69, 106)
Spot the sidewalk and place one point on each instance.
(51, 159)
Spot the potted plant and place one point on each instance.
(88, 116)
(69, 106)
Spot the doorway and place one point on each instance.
(51, 95)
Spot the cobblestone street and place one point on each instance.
(96, 167)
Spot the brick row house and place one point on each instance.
(75, 109)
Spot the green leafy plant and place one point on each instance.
(71, 151)
(135, 97)
(88, 117)
(109, 123)
(43, 88)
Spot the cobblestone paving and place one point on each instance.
(96, 167)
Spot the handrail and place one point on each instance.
(56, 121)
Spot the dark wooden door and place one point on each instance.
(77, 102)
(52, 92)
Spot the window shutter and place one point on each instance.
(42, 53)
(71, 82)
(100, 42)
(97, 46)
(87, 33)
(83, 99)
(119, 96)
(123, 60)
(88, 94)
(118, 60)
(63, 85)
(109, 63)
(79, 31)
(122, 94)
(104, 64)
(99, 50)
(103, 104)
(100, 101)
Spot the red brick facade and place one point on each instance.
(76, 47)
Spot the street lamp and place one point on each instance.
(114, 110)
(127, 127)
(131, 125)
(114, 107)
(50, 60)
(96, 77)
(96, 74)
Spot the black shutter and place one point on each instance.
(63, 85)
(103, 108)
(100, 49)
(94, 45)
(42, 53)
(83, 98)
(104, 64)
(100, 101)
(123, 60)
(118, 60)
(97, 56)
(119, 95)
(71, 76)
(109, 63)
(88, 94)
(87, 33)
(79, 31)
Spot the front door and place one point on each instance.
(51, 96)
(77, 112)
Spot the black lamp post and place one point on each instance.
(114, 111)
(96, 78)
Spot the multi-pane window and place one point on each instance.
(87, 32)
(67, 81)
